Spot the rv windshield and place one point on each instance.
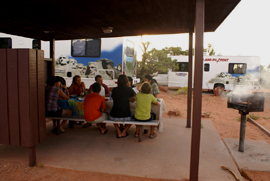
(182, 67)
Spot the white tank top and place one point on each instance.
(102, 91)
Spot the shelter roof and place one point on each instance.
(69, 19)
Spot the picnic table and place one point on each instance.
(76, 105)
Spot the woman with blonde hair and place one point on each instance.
(143, 108)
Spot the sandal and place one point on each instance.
(136, 135)
(152, 136)
(63, 131)
(117, 136)
(125, 135)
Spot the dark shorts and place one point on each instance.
(57, 113)
(153, 117)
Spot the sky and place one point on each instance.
(245, 32)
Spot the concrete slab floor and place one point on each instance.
(165, 157)
(256, 155)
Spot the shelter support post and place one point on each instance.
(32, 156)
(242, 131)
(52, 55)
(197, 98)
(190, 77)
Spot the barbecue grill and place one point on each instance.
(245, 103)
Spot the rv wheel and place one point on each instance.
(218, 89)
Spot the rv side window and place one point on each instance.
(86, 47)
(36, 44)
(206, 67)
(237, 68)
(182, 67)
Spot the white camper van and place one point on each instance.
(219, 71)
(108, 57)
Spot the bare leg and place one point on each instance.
(152, 134)
(100, 127)
(137, 131)
(125, 130)
(122, 127)
(152, 129)
(117, 129)
(103, 125)
(65, 112)
(62, 124)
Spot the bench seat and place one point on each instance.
(81, 118)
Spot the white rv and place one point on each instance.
(108, 57)
(219, 71)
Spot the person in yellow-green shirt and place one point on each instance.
(143, 108)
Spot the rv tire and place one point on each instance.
(218, 89)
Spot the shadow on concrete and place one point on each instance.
(164, 157)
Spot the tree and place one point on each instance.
(141, 66)
(154, 61)
(210, 50)
(173, 51)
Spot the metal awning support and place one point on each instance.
(190, 77)
(197, 98)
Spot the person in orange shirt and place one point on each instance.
(94, 106)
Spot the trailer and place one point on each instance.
(108, 57)
(219, 71)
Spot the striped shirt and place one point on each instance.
(52, 97)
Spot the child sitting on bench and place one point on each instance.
(94, 106)
(143, 108)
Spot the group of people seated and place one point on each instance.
(94, 102)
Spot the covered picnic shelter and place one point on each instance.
(22, 103)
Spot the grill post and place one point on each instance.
(245, 103)
(242, 131)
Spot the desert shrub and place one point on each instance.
(182, 90)
(254, 117)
